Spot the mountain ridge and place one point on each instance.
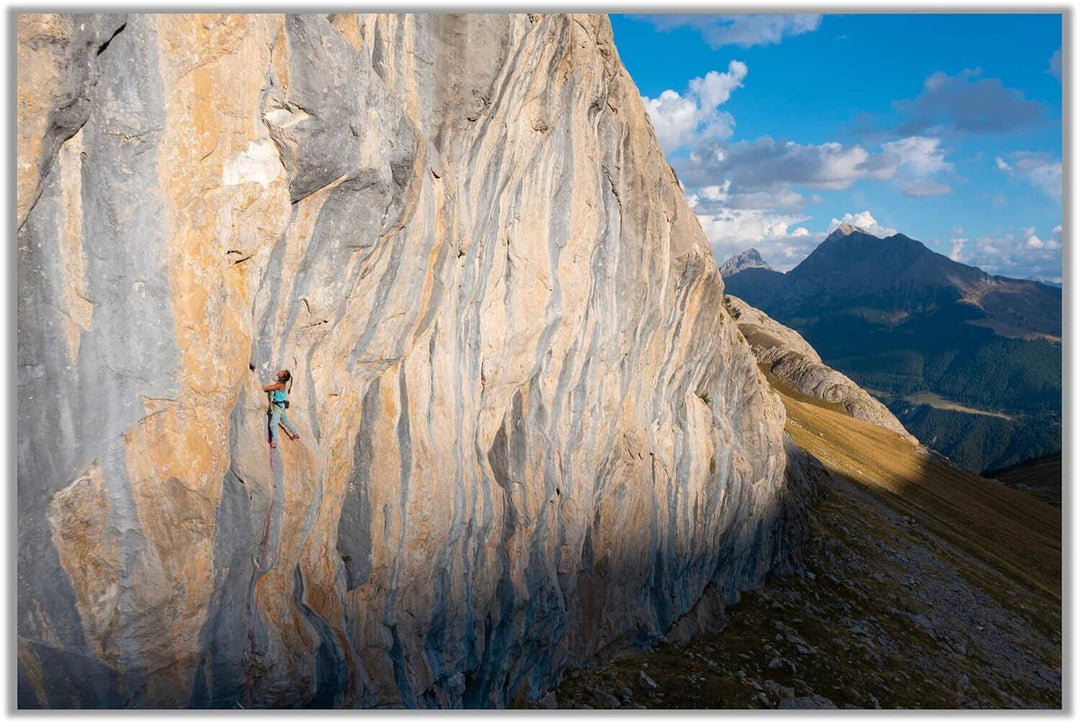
(904, 320)
(857, 263)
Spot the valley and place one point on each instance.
(940, 403)
(970, 364)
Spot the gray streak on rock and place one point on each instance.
(503, 323)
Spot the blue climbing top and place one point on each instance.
(279, 395)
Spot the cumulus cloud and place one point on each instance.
(745, 30)
(778, 236)
(956, 252)
(682, 118)
(966, 103)
(744, 195)
(1032, 241)
(722, 196)
(917, 159)
(864, 220)
(921, 155)
(1039, 169)
(773, 166)
(767, 163)
(1055, 64)
(1025, 255)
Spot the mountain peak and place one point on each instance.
(749, 259)
(849, 229)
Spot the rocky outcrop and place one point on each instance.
(749, 259)
(794, 362)
(528, 428)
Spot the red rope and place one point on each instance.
(255, 594)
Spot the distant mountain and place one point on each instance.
(969, 362)
(755, 282)
(895, 278)
(749, 259)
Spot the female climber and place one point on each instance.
(277, 394)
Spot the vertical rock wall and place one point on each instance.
(529, 429)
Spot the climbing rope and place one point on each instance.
(255, 589)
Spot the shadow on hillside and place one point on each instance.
(1008, 529)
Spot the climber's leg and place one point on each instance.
(275, 418)
(285, 423)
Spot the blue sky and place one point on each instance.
(946, 128)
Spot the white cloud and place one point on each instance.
(747, 226)
(721, 197)
(715, 88)
(776, 235)
(1039, 169)
(682, 119)
(921, 155)
(864, 220)
(1055, 64)
(1025, 255)
(745, 30)
(956, 253)
(925, 189)
(1031, 240)
(766, 164)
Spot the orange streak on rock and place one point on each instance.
(79, 518)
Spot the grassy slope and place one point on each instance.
(1041, 477)
(925, 586)
(1014, 531)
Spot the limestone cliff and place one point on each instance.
(528, 428)
(796, 363)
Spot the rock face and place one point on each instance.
(749, 259)
(528, 428)
(793, 361)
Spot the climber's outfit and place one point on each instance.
(278, 404)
